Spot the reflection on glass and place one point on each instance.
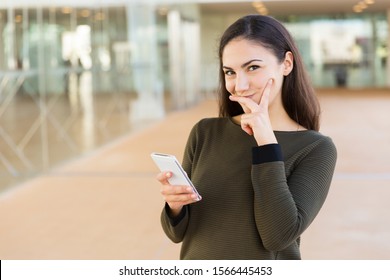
(86, 102)
(342, 52)
(148, 105)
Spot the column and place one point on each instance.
(144, 62)
(2, 42)
(388, 50)
(175, 59)
(10, 43)
(184, 54)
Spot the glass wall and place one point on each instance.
(346, 51)
(61, 88)
(75, 78)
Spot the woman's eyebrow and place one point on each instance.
(249, 62)
(245, 64)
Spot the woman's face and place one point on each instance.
(248, 66)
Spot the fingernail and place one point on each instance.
(168, 174)
(189, 189)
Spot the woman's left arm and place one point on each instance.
(285, 207)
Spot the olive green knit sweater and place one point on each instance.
(257, 201)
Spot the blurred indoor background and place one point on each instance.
(79, 76)
(75, 75)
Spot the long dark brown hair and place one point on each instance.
(298, 96)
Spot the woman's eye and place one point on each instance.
(253, 67)
(229, 72)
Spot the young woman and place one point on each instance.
(262, 167)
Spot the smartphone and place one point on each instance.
(167, 162)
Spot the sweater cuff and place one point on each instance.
(266, 153)
(174, 221)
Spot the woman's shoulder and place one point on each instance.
(323, 142)
(212, 122)
(309, 140)
(308, 135)
(319, 147)
(210, 128)
(319, 137)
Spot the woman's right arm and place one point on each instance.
(175, 215)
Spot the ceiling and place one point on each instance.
(275, 7)
(293, 7)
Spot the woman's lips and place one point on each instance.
(249, 96)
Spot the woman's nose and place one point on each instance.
(242, 84)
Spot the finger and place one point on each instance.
(246, 124)
(163, 177)
(167, 189)
(247, 128)
(264, 101)
(175, 194)
(182, 198)
(188, 192)
(247, 102)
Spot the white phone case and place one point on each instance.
(167, 162)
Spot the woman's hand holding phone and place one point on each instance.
(176, 188)
(175, 196)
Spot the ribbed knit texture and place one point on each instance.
(253, 207)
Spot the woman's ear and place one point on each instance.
(288, 63)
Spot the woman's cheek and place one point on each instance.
(229, 88)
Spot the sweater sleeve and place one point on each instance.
(285, 207)
(175, 228)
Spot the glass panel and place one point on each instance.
(67, 82)
(343, 52)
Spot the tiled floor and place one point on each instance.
(106, 205)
